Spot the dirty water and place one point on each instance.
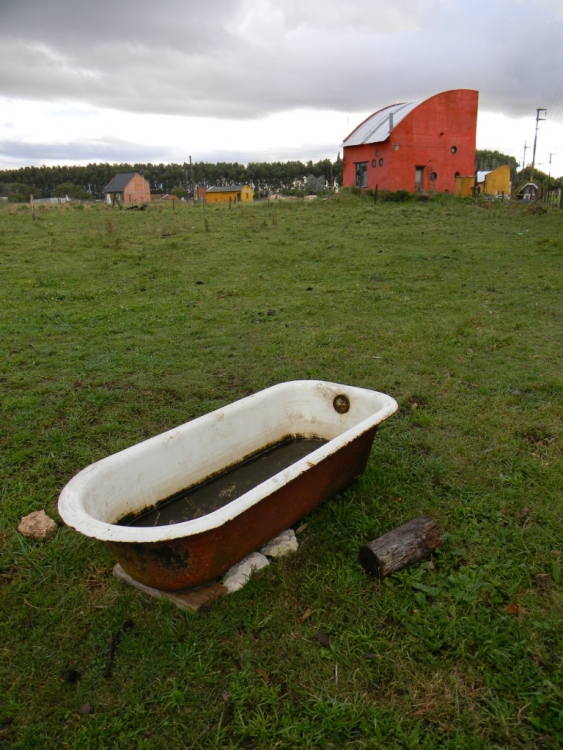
(220, 490)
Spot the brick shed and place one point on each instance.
(415, 146)
(128, 187)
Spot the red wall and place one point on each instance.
(424, 138)
(137, 190)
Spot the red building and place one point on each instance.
(415, 146)
(128, 187)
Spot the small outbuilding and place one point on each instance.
(465, 186)
(128, 187)
(495, 182)
(529, 192)
(412, 146)
(232, 193)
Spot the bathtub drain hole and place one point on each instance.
(341, 403)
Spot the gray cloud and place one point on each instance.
(251, 58)
(14, 153)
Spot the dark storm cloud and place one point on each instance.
(250, 58)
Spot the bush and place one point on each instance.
(399, 196)
(19, 192)
(71, 190)
(295, 192)
(179, 192)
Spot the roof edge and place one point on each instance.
(413, 105)
(377, 111)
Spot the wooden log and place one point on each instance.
(400, 547)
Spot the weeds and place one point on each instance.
(452, 310)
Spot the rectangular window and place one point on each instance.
(361, 174)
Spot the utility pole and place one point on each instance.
(192, 179)
(538, 120)
(549, 178)
(526, 148)
(549, 175)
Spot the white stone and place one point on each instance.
(283, 544)
(38, 525)
(239, 574)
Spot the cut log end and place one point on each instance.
(400, 547)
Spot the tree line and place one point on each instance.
(292, 177)
(90, 180)
(486, 160)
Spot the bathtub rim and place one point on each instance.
(71, 508)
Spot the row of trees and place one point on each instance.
(486, 160)
(266, 177)
(89, 181)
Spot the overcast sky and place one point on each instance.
(253, 80)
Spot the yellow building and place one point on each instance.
(232, 193)
(497, 182)
(464, 186)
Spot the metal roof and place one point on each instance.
(531, 185)
(379, 126)
(119, 182)
(481, 174)
(225, 189)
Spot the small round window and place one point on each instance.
(454, 149)
(456, 175)
(433, 176)
(381, 162)
(377, 153)
(374, 163)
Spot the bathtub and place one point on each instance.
(190, 553)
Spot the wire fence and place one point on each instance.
(552, 198)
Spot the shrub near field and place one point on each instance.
(119, 325)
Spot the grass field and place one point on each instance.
(455, 309)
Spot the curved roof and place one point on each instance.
(379, 126)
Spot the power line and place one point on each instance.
(558, 111)
(558, 93)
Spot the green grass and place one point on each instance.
(453, 308)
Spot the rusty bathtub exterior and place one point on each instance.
(191, 553)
